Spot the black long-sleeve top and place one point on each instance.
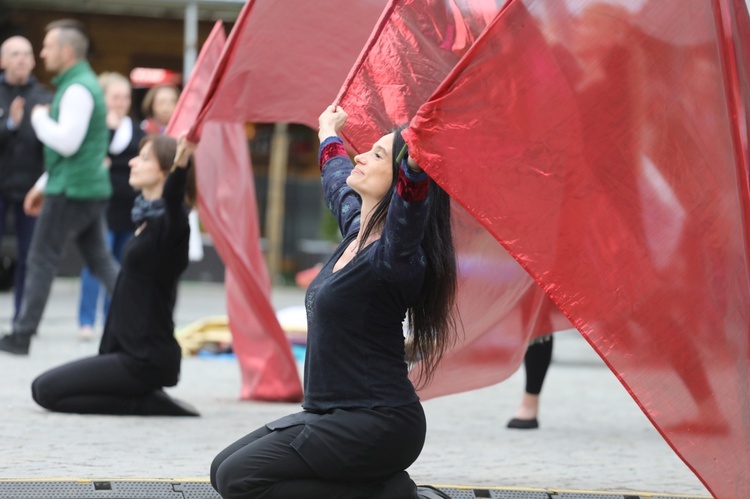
(140, 323)
(355, 342)
(21, 157)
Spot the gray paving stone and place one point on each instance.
(592, 435)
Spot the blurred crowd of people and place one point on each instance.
(75, 165)
(39, 133)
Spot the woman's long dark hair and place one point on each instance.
(432, 320)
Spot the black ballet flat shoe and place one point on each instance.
(523, 424)
(430, 492)
(161, 404)
(15, 344)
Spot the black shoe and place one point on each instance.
(15, 343)
(430, 492)
(161, 404)
(523, 424)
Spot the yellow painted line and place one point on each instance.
(567, 491)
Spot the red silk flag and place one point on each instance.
(283, 62)
(609, 156)
(192, 96)
(414, 47)
(226, 188)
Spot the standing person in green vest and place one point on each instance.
(71, 197)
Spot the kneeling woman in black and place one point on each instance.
(362, 423)
(138, 354)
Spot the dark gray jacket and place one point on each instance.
(21, 158)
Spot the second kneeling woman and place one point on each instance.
(138, 354)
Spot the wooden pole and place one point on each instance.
(275, 203)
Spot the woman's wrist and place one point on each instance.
(412, 165)
(326, 132)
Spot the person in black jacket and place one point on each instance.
(138, 354)
(125, 136)
(21, 157)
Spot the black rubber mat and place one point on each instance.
(201, 489)
(114, 489)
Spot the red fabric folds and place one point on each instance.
(192, 96)
(225, 188)
(414, 47)
(605, 145)
(284, 63)
(268, 369)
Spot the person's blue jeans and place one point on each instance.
(24, 231)
(90, 288)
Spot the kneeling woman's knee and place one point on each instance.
(236, 482)
(41, 394)
(218, 460)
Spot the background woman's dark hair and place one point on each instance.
(432, 320)
(165, 148)
(147, 106)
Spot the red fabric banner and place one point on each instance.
(226, 188)
(605, 145)
(414, 47)
(189, 104)
(283, 63)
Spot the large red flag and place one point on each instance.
(284, 61)
(414, 47)
(612, 164)
(225, 188)
(192, 96)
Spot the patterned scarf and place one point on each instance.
(144, 209)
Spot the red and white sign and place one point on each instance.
(150, 77)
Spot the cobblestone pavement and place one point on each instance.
(592, 436)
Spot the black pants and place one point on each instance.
(536, 361)
(62, 219)
(100, 385)
(295, 461)
(24, 230)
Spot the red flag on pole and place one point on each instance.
(613, 165)
(414, 47)
(283, 63)
(225, 188)
(189, 104)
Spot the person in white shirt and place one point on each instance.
(71, 197)
(125, 138)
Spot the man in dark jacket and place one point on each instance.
(72, 195)
(21, 156)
